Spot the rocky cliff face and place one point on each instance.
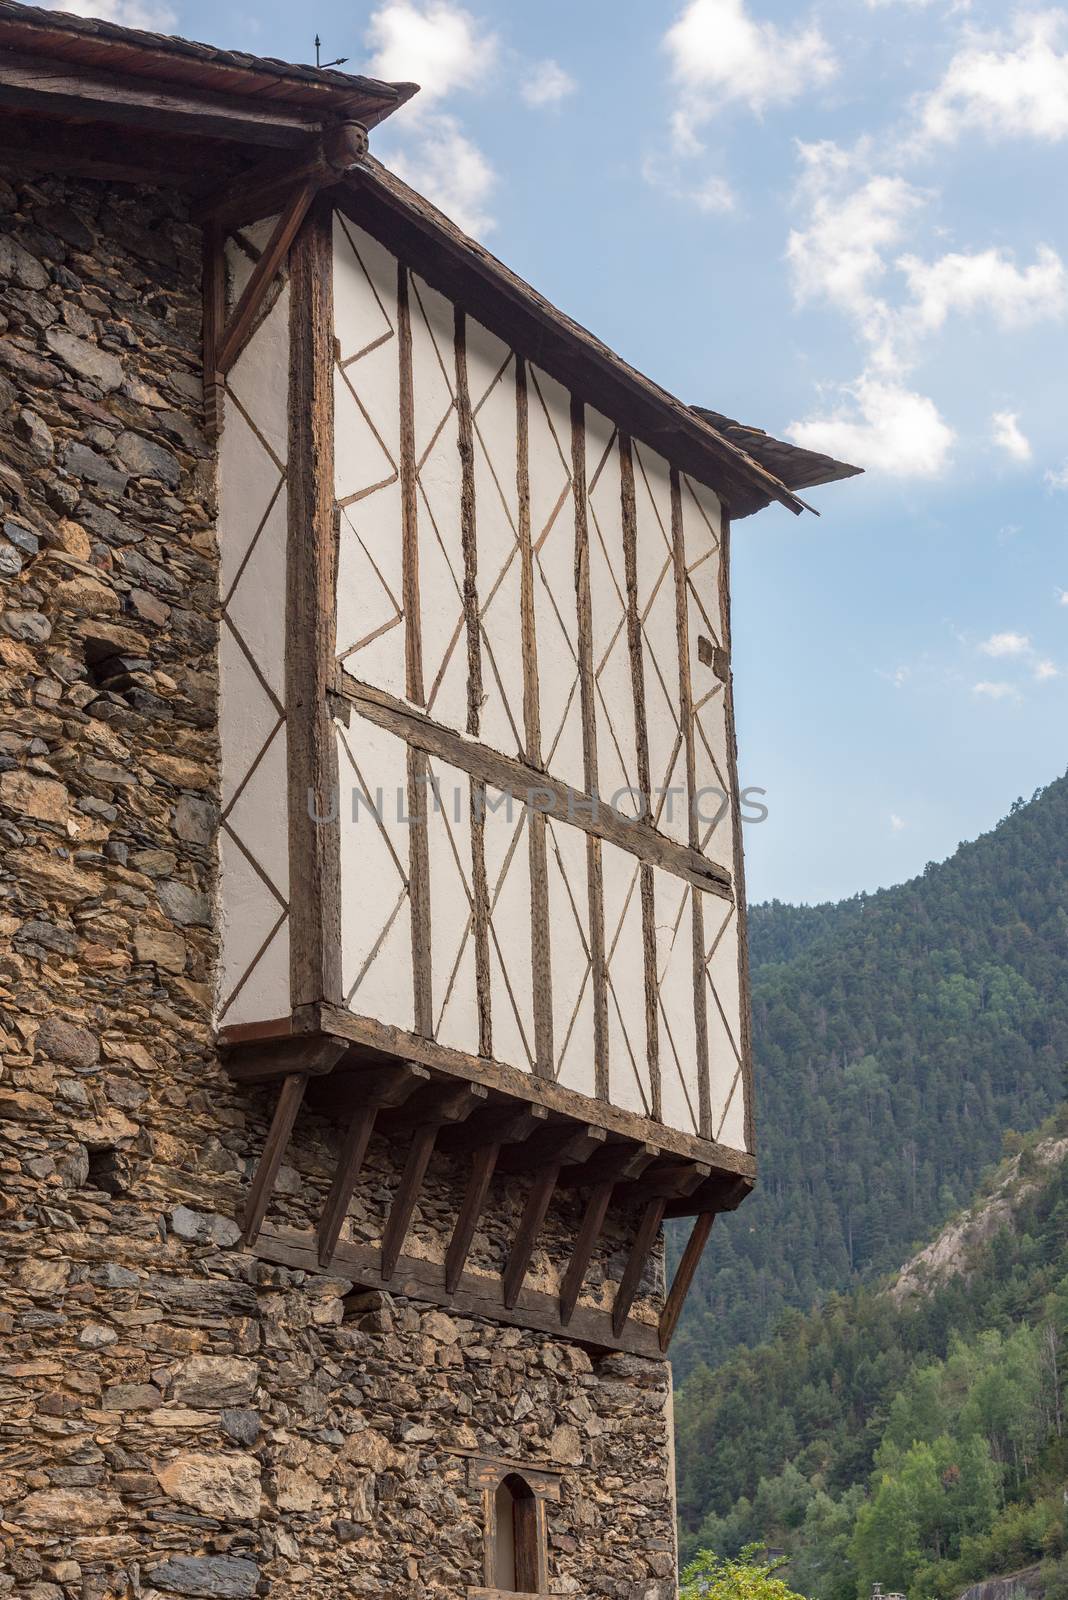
(178, 1417)
(948, 1255)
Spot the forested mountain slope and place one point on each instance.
(913, 1436)
(897, 1036)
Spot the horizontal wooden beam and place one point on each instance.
(33, 83)
(476, 1295)
(372, 1040)
(502, 1125)
(37, 144)
(264, 188)
(528, 787)
(663, 1182)
(618, 1161)
(562, 1146)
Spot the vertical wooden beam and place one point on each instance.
(587, 701)
(697, 910)
(684, 1273)
(285, 1114)
(539, 871)
(482, 1168)
(311, 566)
(419, 889)
(641, 743)
(404, 1201)
(745, 1043)
(530, 1224)
(214, 279)
(413, 639)
(233, 337)
(641, 1249)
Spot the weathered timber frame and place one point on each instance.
(383, 1081)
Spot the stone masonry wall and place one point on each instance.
(176, 1416)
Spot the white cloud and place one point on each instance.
(986, 280)
(996, 691)
(127, 13)
(1008, 435)
(712, 195)
(438, 46)
(547, 85)
(1058, 478)
(891, 430)
(451, 171)
(897, 824)
(1006, 644)
(1014, 87)
(1062, 597)
(720, 54)
(1044, 670)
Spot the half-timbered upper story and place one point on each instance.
(481, 841)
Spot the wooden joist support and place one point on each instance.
(537, 1204)
(485, 1142)
(607, 1168)
(617, 1161)
(664, 1183)
(680, 1284)
(566, 1144)
(458, 1105)
(285, 1114)
(500, 1126)
(386, 1086)
(214, 273)
(263, 188)
(641, 1249)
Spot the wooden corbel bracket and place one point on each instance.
(335, 151)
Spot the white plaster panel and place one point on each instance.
(507, 845)
(613, 691)
(455, 999)
(247, 486)
(259, 378)
(376, 933)
(253, 943)
(628, 1057)
(569, 943)
(438, 499)
(724, 1007)
(257, 605)
(370, 629)
(258, 815)
(679, 1091)
(240, 263)
(366, 422)
(365, 288)
(247, 717)
(491, 380)
(658, 611)
(552, 517)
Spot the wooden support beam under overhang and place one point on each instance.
(455, 1105)
(381, 1088)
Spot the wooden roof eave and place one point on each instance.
(458, 265)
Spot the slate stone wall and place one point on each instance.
(176, 1416)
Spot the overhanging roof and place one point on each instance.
(797, 468)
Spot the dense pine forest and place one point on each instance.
(917, 1441)
(898, 1035)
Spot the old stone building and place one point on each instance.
(335, 1146)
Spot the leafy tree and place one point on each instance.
(747, 1576)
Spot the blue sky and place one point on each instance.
(842, 222)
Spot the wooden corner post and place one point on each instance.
(311, 564)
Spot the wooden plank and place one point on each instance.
(266, 1176)
(480, 916)
(745, 1043)
(214, 291)
(477, 1295)
(641, 747)
(49, 88)
(585, 1242)
(32, 143)
(468, 527)
(388, 1086)
(566, 1144)
(311, 565)
(483, 1166)
(587, 699)
(413, 639)
(697, 915)
(239, 324)
(684, 1274)
(522, 782)
(374, 1039)
(664, 1182)
(644, 1241)
(530, 1224)
(621, 1161)
(503, 1125)
(419, 889)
